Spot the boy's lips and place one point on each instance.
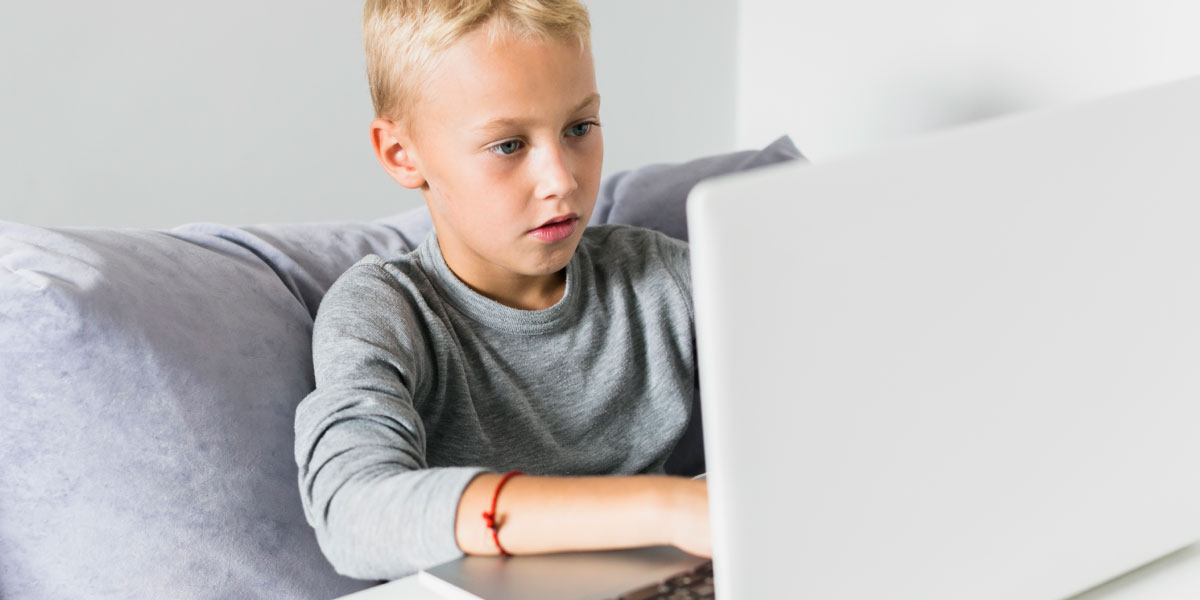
(556, 229)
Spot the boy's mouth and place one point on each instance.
(556, 229)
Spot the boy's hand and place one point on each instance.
(690, 517)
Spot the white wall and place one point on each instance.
(142, 113)
(844, 76)
(150, 114)
(666, 70)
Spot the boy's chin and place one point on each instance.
(551, 262)
(545, 269)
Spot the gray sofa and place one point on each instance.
(148, 382)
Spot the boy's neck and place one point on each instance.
(522, 292)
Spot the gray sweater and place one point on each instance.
(422, 384)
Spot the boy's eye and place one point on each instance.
(586, 125)
(514, 144)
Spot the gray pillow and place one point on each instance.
(655, 196)
(149, 384)
(149, 379)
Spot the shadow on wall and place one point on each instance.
(948, 103)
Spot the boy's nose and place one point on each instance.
(555, 176)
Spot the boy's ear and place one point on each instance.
(392, 151)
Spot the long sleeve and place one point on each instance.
(378, 510)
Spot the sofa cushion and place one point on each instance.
(149, 379)
(655, 196)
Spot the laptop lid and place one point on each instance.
(966, 365)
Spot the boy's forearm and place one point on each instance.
(551, 514)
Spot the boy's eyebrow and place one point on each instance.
(506, 122)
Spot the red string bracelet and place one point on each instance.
(489, 517)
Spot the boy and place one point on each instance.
(513, 338)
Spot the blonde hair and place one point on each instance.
(404, 38)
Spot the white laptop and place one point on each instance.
(965, 366)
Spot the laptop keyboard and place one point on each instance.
(696, 583)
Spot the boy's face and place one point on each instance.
(490, 185)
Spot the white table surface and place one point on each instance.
(413, 587)
(1173, 577)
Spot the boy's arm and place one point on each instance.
(551, 514)
(378, 510)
